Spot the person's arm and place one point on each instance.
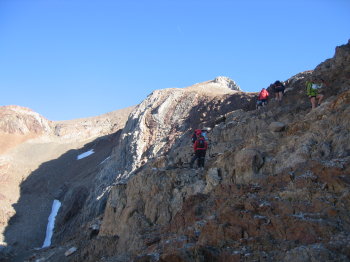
(323, 83)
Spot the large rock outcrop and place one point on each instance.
(160, 122)
(265, 194)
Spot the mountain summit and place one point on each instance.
(220, 85)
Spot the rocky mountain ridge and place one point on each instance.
(275, 186)
(20, 123)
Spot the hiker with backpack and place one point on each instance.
(200, 147)
(262, 98)
(313, 91)
(279, 90)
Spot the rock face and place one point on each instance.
(275, 185)
(159, 123)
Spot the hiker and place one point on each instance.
(200, 148)
(279, 90)
(262, 98)
(196, 135)
(312, 91)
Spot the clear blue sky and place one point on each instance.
(69, 59)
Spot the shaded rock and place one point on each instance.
(277, 126)
(313, 253)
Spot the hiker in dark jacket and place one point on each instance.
(200, 148)
(279, 90)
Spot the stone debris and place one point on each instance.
(70, 251)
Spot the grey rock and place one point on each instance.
(277, 126)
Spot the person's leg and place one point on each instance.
(203, 157)
(280, 95)
(320, 98)
(200, 159)
(199, 162)
(313, 102)
(193, 160)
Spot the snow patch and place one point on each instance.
(85, 154)
(51, 224)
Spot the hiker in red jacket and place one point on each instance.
(200, 148)
(262, 98)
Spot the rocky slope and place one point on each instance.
(275, 186)
(28, 142)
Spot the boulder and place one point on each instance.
(247, 164)
(277, 126)
(70, 251)
(315, 252)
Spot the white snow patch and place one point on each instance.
(85, 154)
(51, 224)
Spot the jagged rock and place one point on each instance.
(227, 82)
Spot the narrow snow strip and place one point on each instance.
(51, 224)
(105, 160)
(85, 154)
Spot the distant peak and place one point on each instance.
(226, 82)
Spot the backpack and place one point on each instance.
(194, 138)
(204, 134)
(201, 143)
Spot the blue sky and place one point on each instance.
(68, 59)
